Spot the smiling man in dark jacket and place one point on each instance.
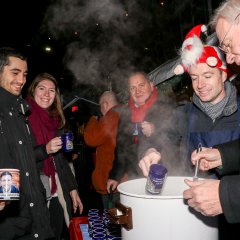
(27, 218)
(225, 193)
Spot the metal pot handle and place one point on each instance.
(124, 219)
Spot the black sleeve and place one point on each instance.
(64, 171)
(229, 192)
(40, 152)
(230, 153)
(13, 225)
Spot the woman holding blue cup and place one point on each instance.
(47, 122)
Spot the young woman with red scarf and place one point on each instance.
(47, 121)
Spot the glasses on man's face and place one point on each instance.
(226, 45)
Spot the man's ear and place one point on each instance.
(152, 86)
(106, 105)
(224, 76)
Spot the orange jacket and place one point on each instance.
(102, 135)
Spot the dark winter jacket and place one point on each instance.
(192, 126)
(27, 218)
(229, 190)
(128, 150)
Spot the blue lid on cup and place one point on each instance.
(158, 169)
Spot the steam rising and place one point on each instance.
(101, 52)
(100, 42)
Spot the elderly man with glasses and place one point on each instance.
(213, 197)
(229, 44)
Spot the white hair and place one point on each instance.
(228, 10)
(109, 96)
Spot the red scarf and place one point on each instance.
(44, 129)
(138, 113)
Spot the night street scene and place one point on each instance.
(91, 46)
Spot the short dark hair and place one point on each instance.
(5, 173)
(6, 52)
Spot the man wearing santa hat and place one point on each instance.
(212, 117)
(224, 158)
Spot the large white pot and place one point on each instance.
(160, 217)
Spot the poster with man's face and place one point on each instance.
(9, 184)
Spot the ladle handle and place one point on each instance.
(195, 177)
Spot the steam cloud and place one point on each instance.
(102, 53)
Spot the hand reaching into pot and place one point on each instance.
(151, 156)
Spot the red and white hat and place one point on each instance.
(193, 51)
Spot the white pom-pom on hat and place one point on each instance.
(204, 29)
(212, 61)
(178, 70)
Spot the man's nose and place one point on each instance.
(138, 90)
(21, 79)
(230, 58)
(200, 83)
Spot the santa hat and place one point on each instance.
(194, 51)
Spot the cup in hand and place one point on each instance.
(67, 141)
(156, 178)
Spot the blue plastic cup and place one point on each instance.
(99, 230)
(97, 221)
(156, 178)
(93, 210)
(106, 221)
(91, 220)
(97, 225)
(99, 236)
(67, 142)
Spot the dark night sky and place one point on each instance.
(20, 21)
(106, 43)
(20, 28)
